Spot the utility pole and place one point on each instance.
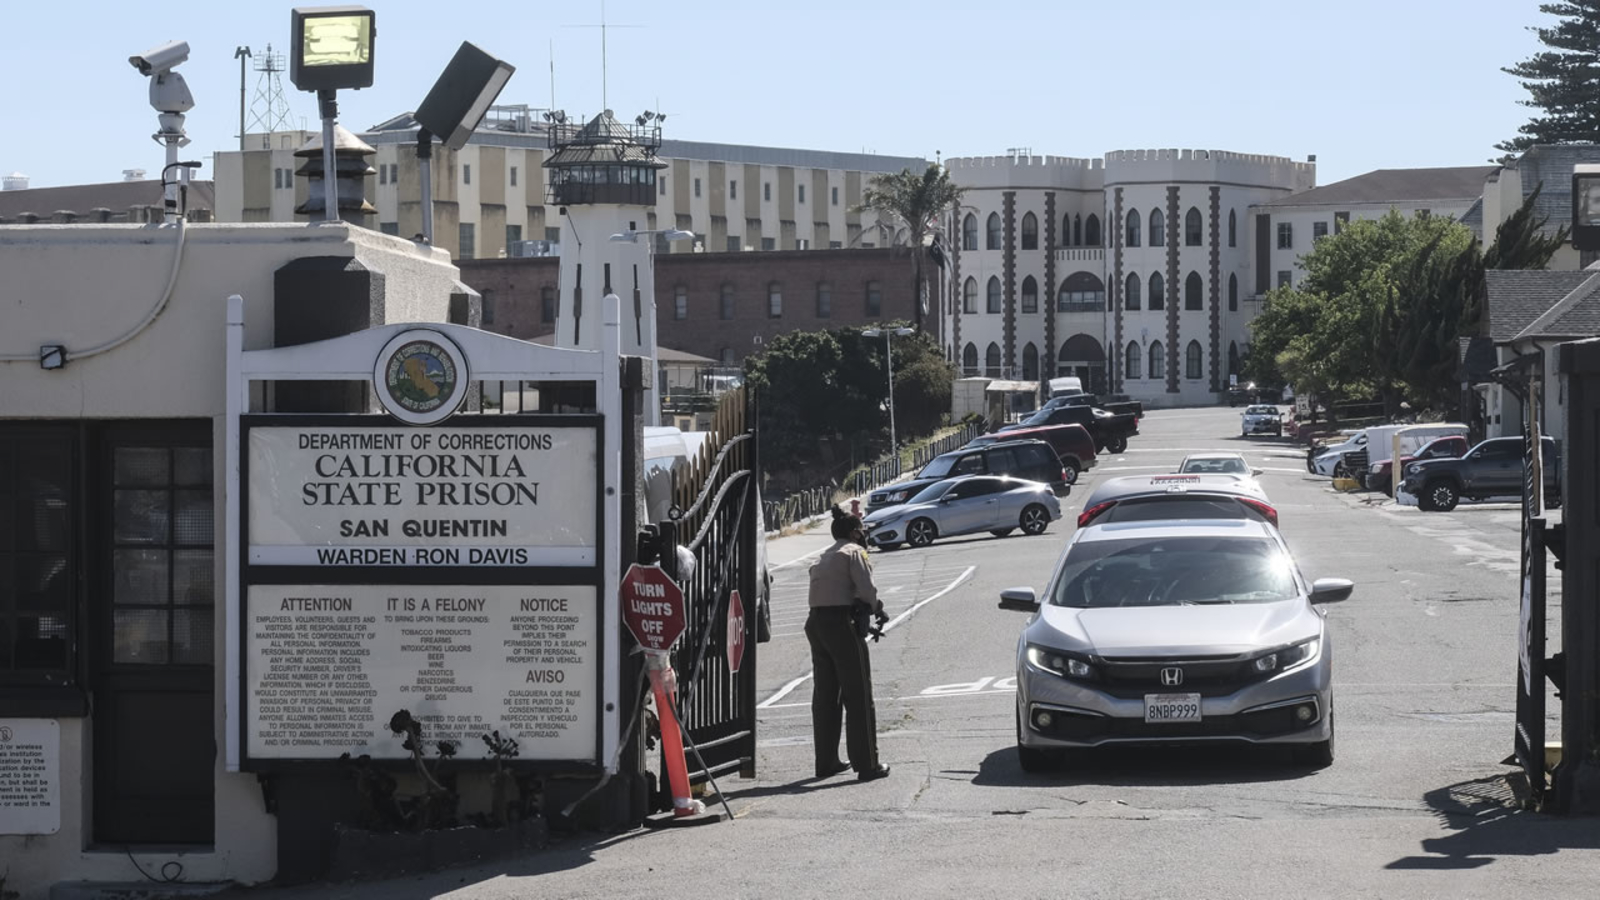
(241, 54)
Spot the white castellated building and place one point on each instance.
(1133, 272)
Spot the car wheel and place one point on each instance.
(1069, 471)
(1035, 519)
(1117, 444)
(1442, 496)
(764, 619)
(1002, 532)
(1318, 755)
(1339, 471)
(921, 532)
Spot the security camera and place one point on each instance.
(164, 58)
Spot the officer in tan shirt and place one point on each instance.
(841, 576)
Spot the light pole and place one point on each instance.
(888, 364)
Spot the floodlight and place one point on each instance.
(463, 93)
(332, 47)
(1586, 207)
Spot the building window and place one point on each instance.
(836, 245)
(769, 243)
(680, 303)
(969, 297)
(991, 361)
(1030, 232)
(553, 235)
(1030, 295)
(1340, 219)
(466, 172)
(728, 360)
(389, 228)
(277, 179)
(469, 238)
(969, 232)
(1158, 360)
(1135, 222)
(824, 300)
(513, 236)
(1077, 230)
(1233, 293)
(1194, 292)
(733, 190)
(874, 299)
(697, 187)
(1194, 228)
(1285, 278)
(802, 244)
(766, 191)
(38, 569)
(835, 192)
(1233, 358)
(394, 173)
(383, 174)
(1319, 230)
(1130, 293)
(994, 295)
(727, 301)
(488, 307)
(994, 232)
(1091, 231)
(661, 182)
(969, 359)
(802, 189)
(734, 245)
(1030, 362)
(1158, 292)
(1158, 228)
(1285, 235)
(1193, 358)
(547, 305)
(1424, 213)
(1133, 367)
(774, 300)
(1233, 229)
(513, 176)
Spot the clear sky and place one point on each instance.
(1363, 84)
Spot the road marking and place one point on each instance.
(796, 561)
(789, 688)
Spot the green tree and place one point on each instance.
(917, 201)
(1563, 81)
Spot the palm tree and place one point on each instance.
(917, 201)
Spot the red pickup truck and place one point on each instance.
(1453, 447)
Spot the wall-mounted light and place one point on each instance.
(52, 356)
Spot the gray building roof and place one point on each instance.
(1577, 315)
(1462, 184)
(1473, 218)
(83, 199)
(1516, 298)
(1552, 165)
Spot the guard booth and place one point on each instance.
(457, 556)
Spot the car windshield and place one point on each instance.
(939, 466)
(931, 493)
(1223, 466)
(1262, 411)
(1175, 506)
(1174, 571)
(1042, 417)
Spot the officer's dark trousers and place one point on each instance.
(843, 684)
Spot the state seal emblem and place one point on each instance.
(420, 377)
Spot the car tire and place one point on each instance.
(1002, 532)
(921, 532)
(1035, 519)
(1318, 755)
(1117, 444)
(1070, 470)
(1339, 471)
(1441, 496)
(764, 619)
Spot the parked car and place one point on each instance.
(1491, 469)
(1329, 461)
(1072, 444)
(1219, 463)
(1031, 460)
(1170, 632)
(1109, 404)
(1452, 446)
(1261, 419)
(965, 505)
(1137, 498)
(1109, 430)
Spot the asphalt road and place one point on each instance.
(1417, 804)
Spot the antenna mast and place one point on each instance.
(269, 111)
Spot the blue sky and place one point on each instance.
(1362, 84)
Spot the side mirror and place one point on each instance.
(1331, 590)
(1019, 600)
(1256, 473)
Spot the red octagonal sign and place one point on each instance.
(652, 607)
(735, 632)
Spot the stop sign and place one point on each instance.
(735, 631)
(652, 607)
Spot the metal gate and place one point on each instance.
(717, 519)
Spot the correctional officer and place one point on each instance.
(840, 577)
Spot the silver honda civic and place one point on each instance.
(966, 505)
(1175, 631)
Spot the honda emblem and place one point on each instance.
(1172, 676)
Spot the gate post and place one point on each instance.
(1577, 778)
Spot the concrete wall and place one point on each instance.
(83, 285)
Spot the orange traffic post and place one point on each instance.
(685, 809)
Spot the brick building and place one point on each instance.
(723, 306)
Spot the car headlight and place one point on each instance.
(1413, 469)
(1067, 665)
(1288, 658)
(899, 496)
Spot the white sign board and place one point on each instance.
(470, 496)
(30, 776)
(327, 666)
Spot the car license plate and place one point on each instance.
(1172, 707)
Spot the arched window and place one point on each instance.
(1081, 292)
(1030, 362)
(991, 361)
(969, 299)
(1233, 293)
(1130, 293)
(1233, 229)
(1158, 229)
(1133, 368)
(1030, 232)
(1091, 231)
(1077, 230)
(994, 295)
(969, 359)
(1233, 358)
(1132, 239)
(1030, 295)
(969, 232)
(1192, 359)
(1194, 292)
(994, 231)
(1158, 360)
(1193, 228)
(1158, 292)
